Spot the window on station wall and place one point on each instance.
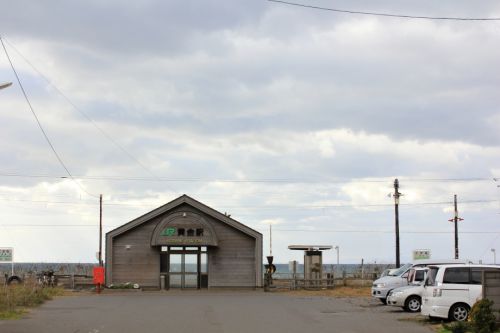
(180, 232)
(199, 232)
(190, 232)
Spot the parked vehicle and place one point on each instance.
(450, 291)
(399, 278)
(409, 297)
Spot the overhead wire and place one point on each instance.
(254, 180)
(345, 11)
(81, 112)
(156, 204)
(59, 159)
(276, 229)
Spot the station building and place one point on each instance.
(184, 244)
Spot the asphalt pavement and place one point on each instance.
(211, 311)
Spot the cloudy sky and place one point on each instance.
(276, 114)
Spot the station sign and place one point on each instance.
(421, 254)
(6, 254)
(169, 232)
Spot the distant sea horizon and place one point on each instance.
(86, 268)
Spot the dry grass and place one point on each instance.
(16, 298)
(336, 292)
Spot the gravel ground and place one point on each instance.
(213, 311)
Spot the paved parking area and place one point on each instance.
(212, 311)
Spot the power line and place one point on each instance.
(106, 135)
(345, 11)
(274, 229)
(382, 231)
(39, 124)
(151, 204)
(255, 180)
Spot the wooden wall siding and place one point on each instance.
(232, 263)
(491, 289)
(141, 263)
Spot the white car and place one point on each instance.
(409, 297)
(450, 291)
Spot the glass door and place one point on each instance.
(175, 270)
(184, 267)
(190, 270)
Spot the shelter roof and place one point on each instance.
(184, 199)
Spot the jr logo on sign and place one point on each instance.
(168, 232)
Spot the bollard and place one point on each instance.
(162, 282)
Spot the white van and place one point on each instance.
(451, 290)
(399, 278)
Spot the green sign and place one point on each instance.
(421, 254)
(168, 232)
(6, 254)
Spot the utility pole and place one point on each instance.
(100, 230)
(396, 211)
(270, 239)
(455, 221)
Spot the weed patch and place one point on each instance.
(14, 299)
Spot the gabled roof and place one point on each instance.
(184, 199)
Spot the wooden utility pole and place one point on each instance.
(455, 220)
(456, 227)
(396, 212)
(270, 239)
(100, 230)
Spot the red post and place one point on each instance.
(98, 273)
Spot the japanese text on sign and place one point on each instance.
(6, 254)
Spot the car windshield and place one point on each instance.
(401, 270)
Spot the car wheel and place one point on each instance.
(413, 303)
(383, 300)
(459, 312)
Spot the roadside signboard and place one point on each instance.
(6, 254)
(421, 254)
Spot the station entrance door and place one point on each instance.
(184, 267)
